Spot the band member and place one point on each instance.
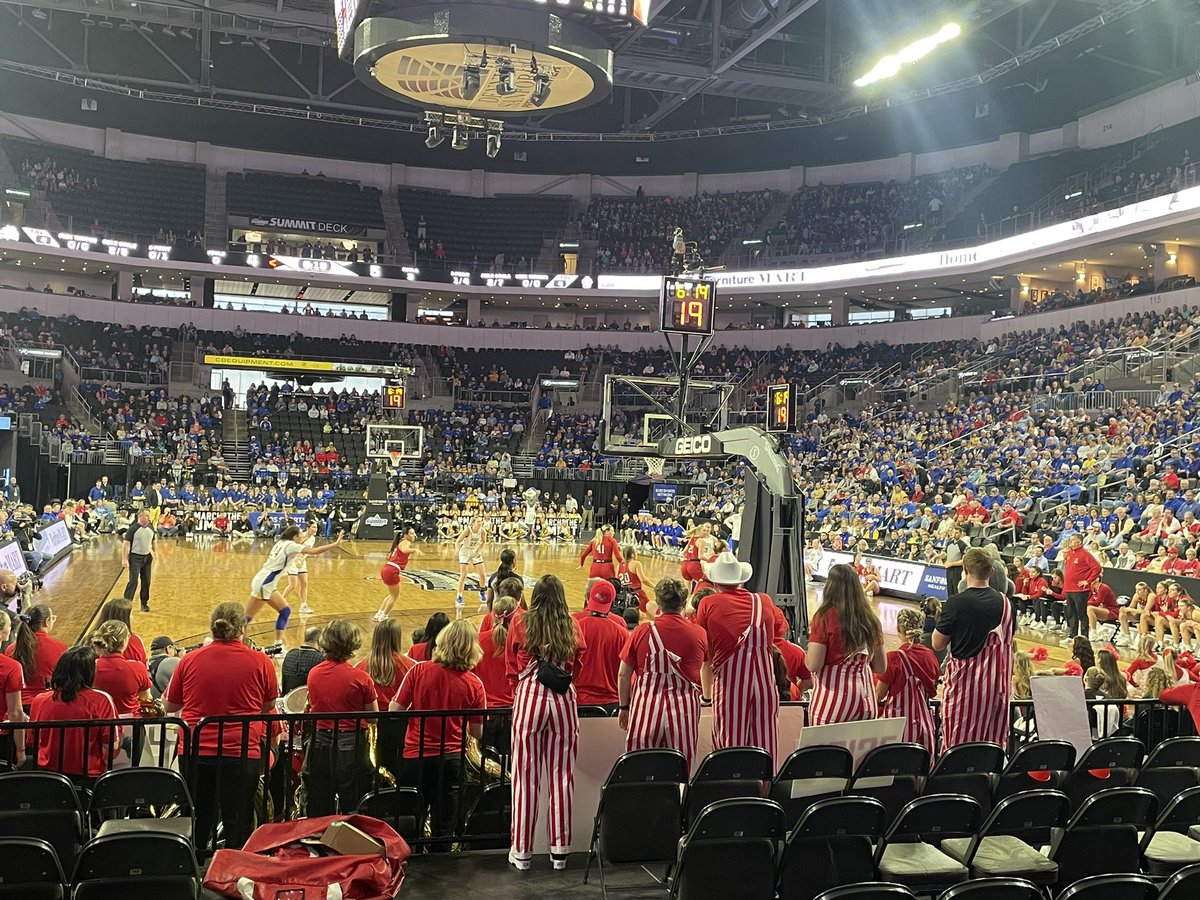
(701, 548)
(738, 677)
(845, 645)
(297, 570)
(603, 550)
(469, 545)
(910, 681)
(661, 709)
(977, 625)
(404, 546)
(605, 635)
(265, 586)
(545, 648)
(631, 576)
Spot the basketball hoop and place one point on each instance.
(394, 456)
(654, 466)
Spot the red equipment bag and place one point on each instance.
(274, 865)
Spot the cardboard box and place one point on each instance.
(344, 838)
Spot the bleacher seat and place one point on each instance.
(809, 775)
(30, 870)
(303, 197)
(831, 844)
(727, 773)
(731, 850)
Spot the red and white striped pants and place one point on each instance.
(663, 718)
(745, 708)
(843, 693)
(545, 737)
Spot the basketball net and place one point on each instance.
(395, 455)
(654, 466)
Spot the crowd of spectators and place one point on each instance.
(51, 176)
(474, 432)
(151, 423)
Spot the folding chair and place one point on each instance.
(1183, 885)
(831, 845)
(29, 870)
(730, 851)
(873, 890)
(907, 854)
(1109, 819)
(902, 764)
(1042, 765)
(401, 807)
(1128, 886)
(136, 866)
(1167, 848)
(809, 775)
(153, 792)
(1108, 763)
(42, 805)
(639, 818)
(969, 769)
(993, 889)
(1002, 848)
(488, 823)
(1171, 768)
(732, 772)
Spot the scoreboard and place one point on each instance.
(688, 305)
(779, 407)
(393, 396)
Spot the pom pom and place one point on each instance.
(1039, 654)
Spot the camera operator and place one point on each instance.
(15, 593)
(23, 525)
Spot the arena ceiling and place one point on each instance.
(710, 85)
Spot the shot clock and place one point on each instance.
(393, 396)
(688, 305)
(779, 407)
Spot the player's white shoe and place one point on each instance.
(305, 609)
(379, 616)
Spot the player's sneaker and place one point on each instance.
(458, 607)
(521, 865)
(379, 616)
(305, 609)
(483, 607)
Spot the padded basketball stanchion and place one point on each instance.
(772, 540)
(375, 523)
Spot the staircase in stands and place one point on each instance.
(397, 236)
(235, 446)
(732, 255)
(216, 217)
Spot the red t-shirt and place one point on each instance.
(517, 658)
(226, 678)
(793, 658)
(136, 650)
(492, 672)
(827, 629)
(925, 667)
(45, 658)
(725, 616)
(385, 692)
(429, 685)
(683, 638)
(1104, 597)
(122, 680)
(339, 687)
(605, 636)
(11, 682)
(67, 744)
(419, 652)
(1184, 695)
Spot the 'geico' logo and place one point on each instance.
(694, 444)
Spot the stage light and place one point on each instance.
(39, 14)
(168, 31)
(533, 66)
(458, 138)
(145, 28)
(506, 84)
(470, 82)
(185, 33)
(890, 65)
(225, 41)
(493, 144)
(541, 89)
(436, 136)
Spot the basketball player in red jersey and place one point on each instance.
(701, 548)
(629, 573)
(603, 550)
(404, 547)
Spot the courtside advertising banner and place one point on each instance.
(53, 539)
(898, 576)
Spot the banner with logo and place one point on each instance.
(53, 540)
(896, 576)
(317, 226)
(12, 558)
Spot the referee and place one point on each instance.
(137, 553)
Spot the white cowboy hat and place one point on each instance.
(726, 569)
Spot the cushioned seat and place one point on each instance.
(1169, 851)
(918, 862)
(1194, 832)
(1002, 855)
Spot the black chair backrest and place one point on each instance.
(640, 810)
(1116, 806)
(1042, 756)
(738, 818)
(993, 889)
(401, 807)
(1030, 812)
(817, 762)
(1183, 885)
(1176, 751)
(840, 816)
(143, 854)
(1112, 753)
(26, 860)
(873, 890)
(1181, 813)
(141, 787)
(20, 791)
(736, 764)
(1111, 887)
(648, 765)
(933, 818)
(491, 815)
(1167, 781)
(967, 759)
(895, 760)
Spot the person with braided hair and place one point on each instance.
(910, 681)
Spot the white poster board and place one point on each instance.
(1061, 710)
(860, 738)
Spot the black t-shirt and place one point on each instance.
(968, 617)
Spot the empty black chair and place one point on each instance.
(42, 805)
(148, 798)
(1102, 836)
(1002, 848)
(1178, 751)
(1042, 765)
(908, 853)
(901, 766)
(639, 818)
(873, 890)
(809, 775)
(401, 807)
(136, 866)
(730, 851)
(970, 769)
(1106, 764)
(488, 823)
(832, 844)
(29, 869)
(1171, 768)
(1127, 886)
(732, 772)
(993, 889)
(1183, 885)
(1167, 848)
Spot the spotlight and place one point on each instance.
(185, 33)
(436, 136)
(39, 14)
(168, 31)
(247, 41)
(493, 144)
(541, 89)
(458, 138)
(145, 28)
(226, 40)
(533, 66)
(506, 85)
(87, 21)
(105, 23)
(128, 26)
(470, 82)
(890, 65)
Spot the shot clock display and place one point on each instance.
(393, 396)
(688, 305)
(779, 407)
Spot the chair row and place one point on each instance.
(132, 866)
(1099, 887)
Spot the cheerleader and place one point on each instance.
(845, 645)
(403, 548)
(867, 574)
(469, 545)
(297, 570)
(603, 550)
(545, 722)
(264, 588)
(701, 548)
(910, 681)
(631, 576)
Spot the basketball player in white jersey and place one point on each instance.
(265, 586)
(469, 545)
(297, 570)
